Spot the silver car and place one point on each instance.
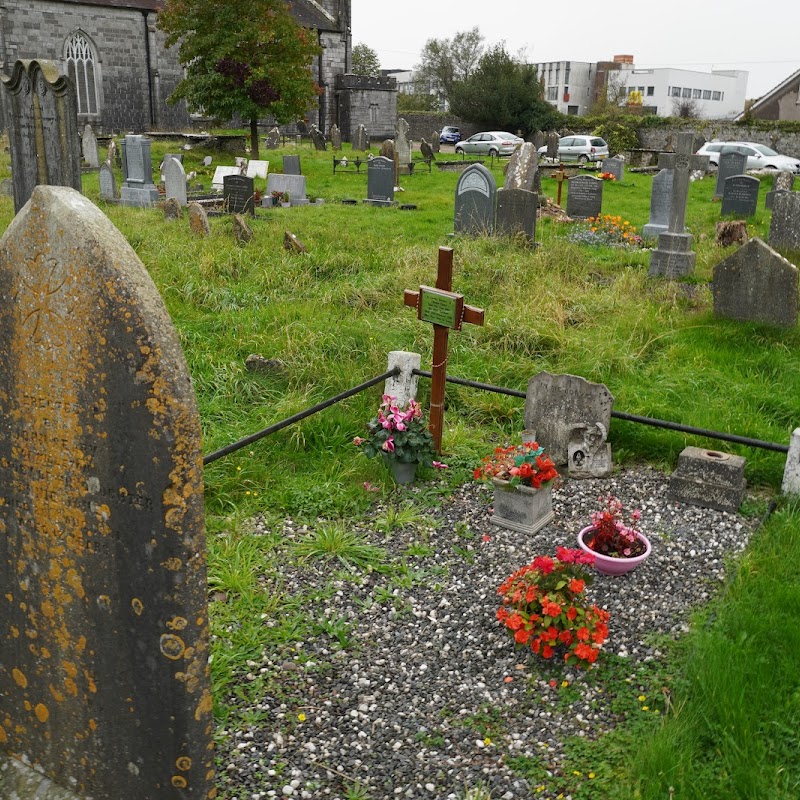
(490, 143)
(759, 156)
(582, 149)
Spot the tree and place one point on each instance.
(444, 62)
(365, 61)
(613, 97)
(416, 101)
(503, 94)
(248, 58)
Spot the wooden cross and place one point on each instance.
(558, 177)
(681, 162)
(445, 310)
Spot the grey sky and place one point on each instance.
(706, 34)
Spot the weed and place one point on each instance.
(335, 541)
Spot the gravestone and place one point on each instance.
(784, 227)
(167, 157)
(6, 187)
(388, 149)
(783, 182)
(756, 284)
(302, 127)
(220, 173)
(523, 168)
(552, 145)
(291, 165)
(516, 213)
(111, 153)
(295, 185)
(474, 212)
(318, 138)
(660, 203)
(555, 405)
(172, 209)
(588, 452)
(91, 154)
(402, 145)
(539, 139)
(198, 220)
(42, 128)
(241, 163)
(108, 182)
(239, 194)
(257, 168)
(175, 181)
(138, 188)
(207, 161)
(674, 257)
(273, 139)
(730, 164)
(380, 182)
(698, 141)
(361, 142)
(740, 195)
(242, 232)
(435, 144)
(103, 613)
(336, 137)
(584, 197)
(426, 150)
(616, 166)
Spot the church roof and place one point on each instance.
(143, 5)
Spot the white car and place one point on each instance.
(580, 148)
(759, 156)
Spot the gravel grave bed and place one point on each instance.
(429, 695)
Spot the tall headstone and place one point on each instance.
(175, 181)
(783, 182)
(239, 194)
(660, 203)
(584, 197)
(552, 144)
(523, 168)
(273, 139)
(291, 165)
(558, 405)
(674, 257)
(91, 154)
(756, 284)
(380, 182)
(616, 166)
(318, 138)
(730, 164)
(108, 182)
(539, 139)
(42, 124)
(784, 227)
(740, 195)
(388, 149)
(516, 213)
(402, 145)
(336, 137)
(361, 142)
(476, 191)
(103, 614)
(138, 188)
(435, 144)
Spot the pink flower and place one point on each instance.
(370, 488)
(440, 465)
(486, 537)
(388, 445)
(358, 441)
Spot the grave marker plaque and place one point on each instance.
(516, 213)
(730, 164)
(104, 685)
(476, 192)
(239, 194)
(740, 195)
(584, 197)
(380, 181)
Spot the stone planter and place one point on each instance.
(522, 508)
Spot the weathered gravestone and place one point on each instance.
(220, 173)
(293, 185)
(91, 154)
(708, 478)
(242, 232)
(198, 220)
(273, 139)
(361, 142)
(660, 204)
(108, 182)
(336, 137)
(257, 168)
(557, 405)
(167, 157)
(175, 181)
(138, 188)
(584, 197)
(388, 149)
(291, 165)
(740, 195)
(402, 145)
(426, 150)
(616, 166)
(172, 209)
(522, 171)
(239, 194)
(6, 187)
(539, 139)
(783, 182)
(435, 143)
(516, 213)
(730, 164)
(42, 124)
(104, 685)
(111, 153)
(552, 144)
(380, 182)
(756, 284)
(208, 161)
(474, 211)
(784, 227)
(318, 138)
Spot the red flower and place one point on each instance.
(576, 585)
(582, 634)
(515, 622)
(572, 612)
(522, 636)
(547, 651)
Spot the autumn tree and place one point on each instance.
(365, 61)
(248, 58)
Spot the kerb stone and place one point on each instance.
(708, 478)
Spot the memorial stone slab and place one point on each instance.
(756, 284)
(111, 153)
(740, 195)
(108, 182)
(91, 154)
(318, 138)
(709, 479)
(138, 188)
(555, 405)
(294, 185)
(198, 220)
(291, 165)
(784, 227)
(380, 181)
(589, 455)
(516, 213)
(435, 144)
(616, 166)
(220, 173)
(361, 142)
(584, 197)
(239, 194)
(273, 139)
(257, 168)
(42, 128)
(552, 144)
(474, 212)
(660, 204)
(175, 181)
(783, 182)
(523, 167)
(730, 164)
(336, 137)
(104, 683)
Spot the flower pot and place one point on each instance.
(608, 565)
(522, 508)
(401, 472)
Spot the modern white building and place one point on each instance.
(568, 85)
(719, 94)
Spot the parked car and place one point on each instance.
(490, 143)
(759, 156)
(449, 135)
(580, 148)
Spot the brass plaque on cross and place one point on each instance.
(440, 307)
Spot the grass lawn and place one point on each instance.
(329, 318)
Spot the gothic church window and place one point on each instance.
(81, 62)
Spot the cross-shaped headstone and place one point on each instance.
(445, 310)
(559, 177)
(682, 163)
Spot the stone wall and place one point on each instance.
(422, 124)
(368, 100)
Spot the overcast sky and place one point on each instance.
(706, 34)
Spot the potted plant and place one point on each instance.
(285, 201)
(544, 607)
(617, 546)
(522, 476)
(401, 437)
